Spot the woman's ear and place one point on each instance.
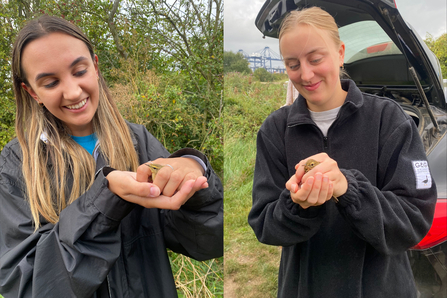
(341, 52)
(31, 92)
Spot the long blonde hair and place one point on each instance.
(48, 189)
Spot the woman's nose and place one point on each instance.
(72, 90)
(306, 72)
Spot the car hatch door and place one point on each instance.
(385, 13)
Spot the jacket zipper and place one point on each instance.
(108, 286)
(325, 140)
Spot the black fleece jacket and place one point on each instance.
(357, 247)
(103, 246)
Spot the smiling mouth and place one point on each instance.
(77, 106)
(312, 87)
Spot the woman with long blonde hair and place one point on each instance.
(89, 202)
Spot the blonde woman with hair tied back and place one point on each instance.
(319, 19)
(335, 183)
(82, 212)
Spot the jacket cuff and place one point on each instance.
(109, 204)
(352, 193)
(196, 153)
(296, 209)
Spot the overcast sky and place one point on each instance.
(240, 32)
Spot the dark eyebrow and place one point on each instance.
(77, 60)
(41, 75)
(47, 74)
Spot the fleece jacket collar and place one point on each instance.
(299, 113)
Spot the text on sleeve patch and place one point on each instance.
(422, 173)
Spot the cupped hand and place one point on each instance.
(314, 192)
(126, 186)
(171, 179)
(319, 184)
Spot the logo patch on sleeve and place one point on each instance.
(422, 173)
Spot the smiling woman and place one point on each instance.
(66, 86)
(78, 201)
(363, 150)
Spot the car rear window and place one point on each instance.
(366, 39)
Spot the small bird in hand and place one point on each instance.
(310, 164)
(154, 168)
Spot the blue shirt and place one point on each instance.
(87, 142)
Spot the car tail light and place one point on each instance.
(389, 2)
(379, 47)
(438, 231)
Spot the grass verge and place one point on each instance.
(251, 268)
(194, 279)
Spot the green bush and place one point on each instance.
(263, 75)
(235, 62)
(248, 103)
(167, 111)
(7, 118)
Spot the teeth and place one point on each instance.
(78, 106)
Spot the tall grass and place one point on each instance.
(251, 268)
(194, 279)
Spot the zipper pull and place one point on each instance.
(325, 143)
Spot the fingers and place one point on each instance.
(124, 184)
(143, 173)
(170, 181)
(166, 202)
(201, 183)
(326, 166)
(169, 190)
(167, 180)
(171, 178)
(292, 184)
(314, 192)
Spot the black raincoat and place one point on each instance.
(103, 246)
(355, 248)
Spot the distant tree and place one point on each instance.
(439, 47)
(235, 62)
(263, 75)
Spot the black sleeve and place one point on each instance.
(196, 229)
(274, 217)
(68, 259)
(396, 214)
